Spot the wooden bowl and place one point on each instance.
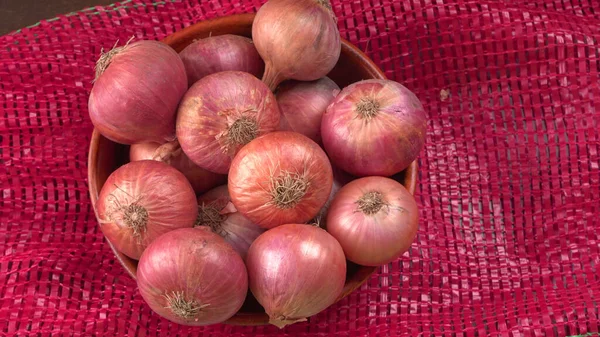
(106, 156)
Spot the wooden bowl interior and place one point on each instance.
(106, 156)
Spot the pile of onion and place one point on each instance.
(374, 127)
(295, 271)
(297, 39)
(216, 211)
(281, 177)
(192, 276)
(221, 113)
(303, 104)
(221, 53)
(201, 180)
(375, 219)
(136, 93)
(141, 201)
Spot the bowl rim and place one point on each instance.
(176, 40)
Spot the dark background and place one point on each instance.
(15, 14)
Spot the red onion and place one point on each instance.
(221, 53)
(216, 211)
(142, 200)
(281, 177)
(221, 113)
(192, 276)
(298, 39)
(200, 179)
(303, 104)
(295, 271)
(340, 178)
(136, 93)
(375, 219)
(374, 127)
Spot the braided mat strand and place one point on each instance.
(508, 243)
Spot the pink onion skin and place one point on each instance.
(379, 238)
(135, 99)
(303, 104)
(340, 179)
(221, 53)
(199, 265)
(212, 106)
(295, 271)
(236, 229)
(201, 180)
(268, 158)
(163, 192)
(383, 144)
(298, 39)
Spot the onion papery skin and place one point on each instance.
(384, 140)
(295, 271)
(156, 194)
(303, 104)
(378, 238)
(280, 166)
(212, 110)
(221, 53)
(135, 99)
(201, 180)
(340, 179)
(197, 266)
(297, 39)
(236, 229)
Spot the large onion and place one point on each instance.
(137, 89)
(375, 219)
(221, 53)
(142, 200)
(281, 177)
(192, 276)
(216, 211)
(295, 271)
(201, 180)
(374, 127)
(221, 113)
(298, 39)
(303, 104)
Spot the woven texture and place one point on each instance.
(509, 179)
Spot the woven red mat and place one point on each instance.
(509, 188)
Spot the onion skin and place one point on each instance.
(298, 39)
(379, 238)
(303, 104)
(201, 180)
(135, 99)
(221, 53)
(163, 192)
(210, 109)
(295, 271)
(382, 144)
(263, 162)
(340, 179)
(199, 266)
(236, 229)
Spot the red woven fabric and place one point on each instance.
(509, 179)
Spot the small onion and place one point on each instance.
(374, 127)
(303, 104)
(281, 177)
(142, 200)
(375, 219)
(298, 39)
(221, 53)
(136, 92)
(221, 113)
(216, 211)
(295, 271)
(200, 179)
(192, 276)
